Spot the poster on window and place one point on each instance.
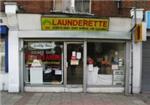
(74, 62)
(78, 55)
(90, 67)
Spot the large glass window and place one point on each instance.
(106, 63)
(43, 62)
(2, 55)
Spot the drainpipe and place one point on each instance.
(134, 10)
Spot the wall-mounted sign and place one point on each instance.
(91, 24)
(43, 45)
(138, 33)
(147, 18)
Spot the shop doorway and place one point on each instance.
(74, 58)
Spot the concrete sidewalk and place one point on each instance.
(145, 97)
(69, 99)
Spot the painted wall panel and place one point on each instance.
(29, 21)
(13, 53)
(120, 24)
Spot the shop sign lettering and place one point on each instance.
(43, 45)
(42, 57)
(91, 24)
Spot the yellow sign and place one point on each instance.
(138, 33)
(91, 24)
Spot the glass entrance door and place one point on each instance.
(74, 63)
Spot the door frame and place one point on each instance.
(84, 43)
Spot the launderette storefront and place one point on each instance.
(74, 61)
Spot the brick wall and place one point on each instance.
(109, 8)
(103, 8)
(1, 6)
(36, 6)
(32, 6)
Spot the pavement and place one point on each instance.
(145, 97)
(71, 99)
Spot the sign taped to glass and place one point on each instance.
(43, 45)
(90, 24)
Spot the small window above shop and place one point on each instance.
(72, 6)
(82, 6)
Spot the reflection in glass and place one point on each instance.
(75, 64)
(106, 66)
(48, 57)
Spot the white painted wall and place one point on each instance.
(3, 81)
(29, 21)
(137, 67)
(119, 24)
(4, 19)
(13, 55)
(137, 57)
(12, 21)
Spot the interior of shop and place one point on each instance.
(43, 62)
(106, 63)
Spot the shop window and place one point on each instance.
(78, 6)
(106, 63)
(43, 62)
(2, 55)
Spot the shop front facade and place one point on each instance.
(74, 65)
(69, 60)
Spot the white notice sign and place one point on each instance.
(114, 67)
(78, 55)
(58, 72)
(73, 53)
(90, 67)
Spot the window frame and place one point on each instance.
(125, 63)
(63, 10)
(26, 80)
